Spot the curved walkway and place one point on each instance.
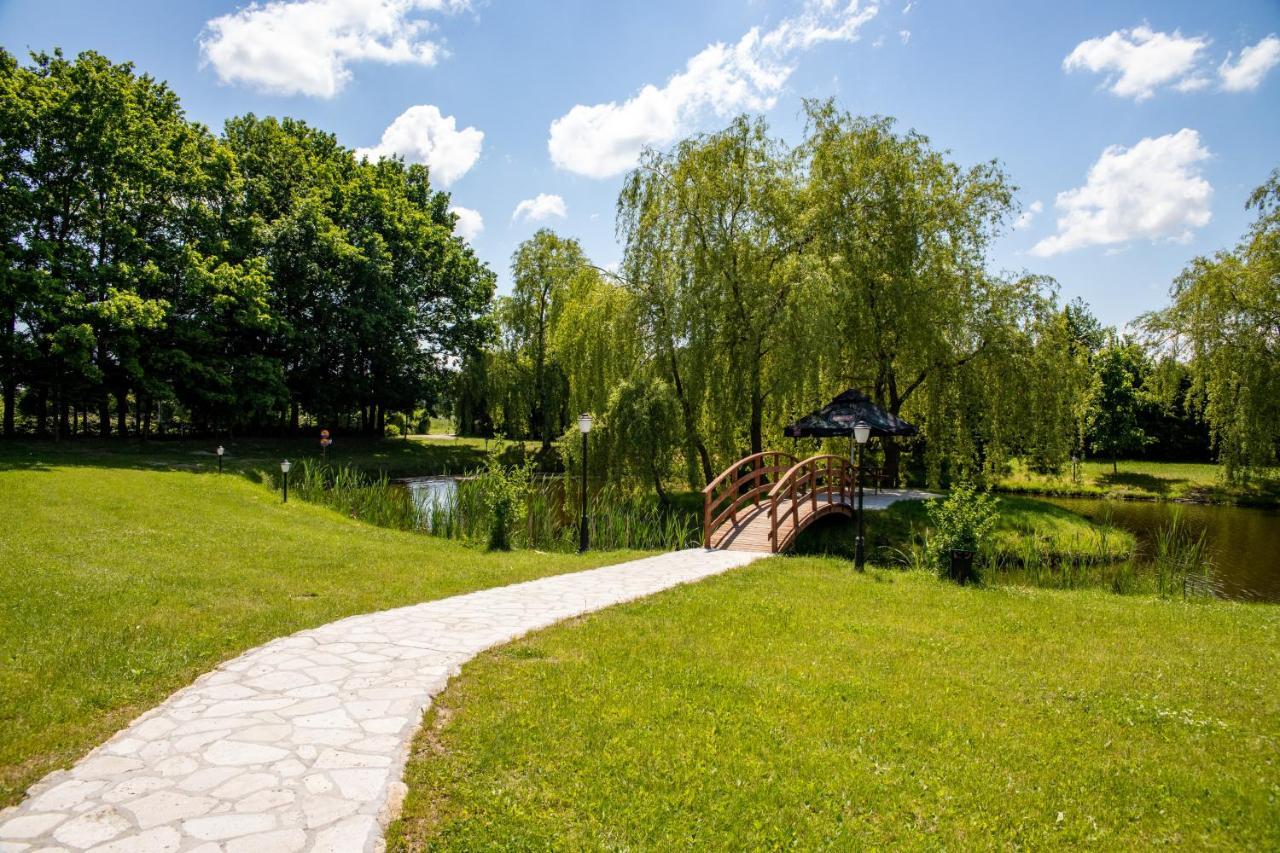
(300, 744)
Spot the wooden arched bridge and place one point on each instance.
(763, 501)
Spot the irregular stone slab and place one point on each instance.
(300, 744)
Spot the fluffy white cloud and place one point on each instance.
(605, 139)
(1246, 73)
(543, 207)
(422, 135)
(470, 222)
(1152, 191)
(306, 47)
(1140, 60)
(1026, 217)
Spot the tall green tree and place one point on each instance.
(1115, 429)
(1224, 324)
(542, 270)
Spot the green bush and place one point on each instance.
(505, 493)
(962, 521)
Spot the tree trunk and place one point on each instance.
(104, 416)
(10, 400)
(146, 419)
(122, 412)
(42, 414)
(690, 425)
(295, 414)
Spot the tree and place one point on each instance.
(642, 423)
(1119, 373)
(542, 268)
(1224, 324)
(715, 230)
(913, 314)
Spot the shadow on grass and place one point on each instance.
(393, 457)
(1146, 482)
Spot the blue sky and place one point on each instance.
(1134, 130)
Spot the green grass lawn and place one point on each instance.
(1146, 481)
(124, 575)
(1054, 532)
(795, 703)
(398, 457)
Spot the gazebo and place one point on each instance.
(842, 414)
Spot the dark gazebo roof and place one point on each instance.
(840, 415)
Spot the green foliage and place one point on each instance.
(1224, 323)
(962, 521)
(1119, 376)
(642, 423)
(1181, 560)
(504, 490)
(232, 281)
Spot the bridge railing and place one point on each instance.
(823, 479)
(745, 482)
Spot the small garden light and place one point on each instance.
(284, 469)
(584, 427)
(221, 450)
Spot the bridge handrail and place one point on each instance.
(806, 472)
(732, 478)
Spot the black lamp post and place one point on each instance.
(284, 469)
(221, 450)
(584, 427)
(861, 432)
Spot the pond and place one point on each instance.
(1244, 543)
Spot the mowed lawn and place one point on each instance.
(796, 704)
(119, 586)
(1142, 480)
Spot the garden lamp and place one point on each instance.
(221, 450)
(584, 427)
(861, 432)
(284, 469)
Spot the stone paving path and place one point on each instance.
(300, 744)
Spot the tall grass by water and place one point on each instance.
(617, 518)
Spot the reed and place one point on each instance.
(347, 489)
(1180, 560)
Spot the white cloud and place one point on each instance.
(904, 36)
(1139, 61)
(470, 222)
(1152, 191)
(422, 135)
(1026, 217)
(306, 47)
(543, 207)
(605, 139)
(1246, 73)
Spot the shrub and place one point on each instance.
(505, 493)
(961, 522)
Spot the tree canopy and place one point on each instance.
(230, 282)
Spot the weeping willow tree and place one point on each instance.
(715, 233)
(1224, 324)
(914, 316)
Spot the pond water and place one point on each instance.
(428, 489)
(1244, 543)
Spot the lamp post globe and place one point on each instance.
(584, 427)
(221, 450)
(861, 433)
(284, 469)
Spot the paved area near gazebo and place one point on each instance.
(299, 745)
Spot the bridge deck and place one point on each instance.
(751, 532)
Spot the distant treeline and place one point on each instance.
(155, 275)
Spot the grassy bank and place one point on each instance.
(124, 575)
(1153, 481)
(1025, 529)
(398, 457)
(797, 704)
